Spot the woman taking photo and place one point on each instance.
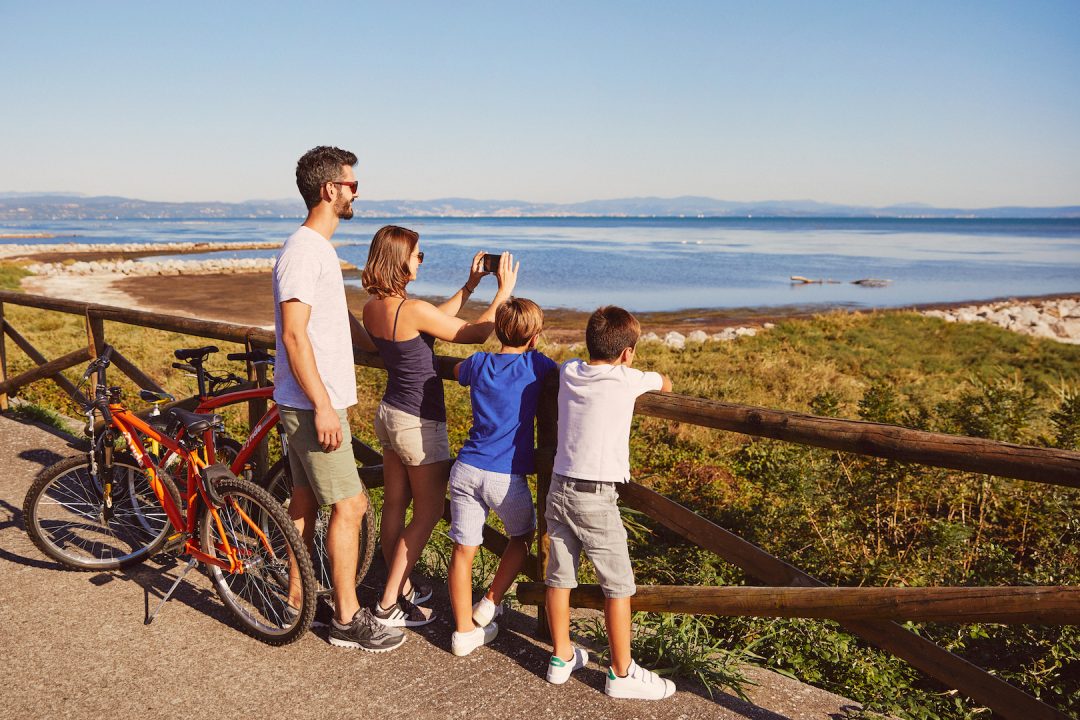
(411, 419)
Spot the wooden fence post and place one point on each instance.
(3, 359)
(547, 437)
(256, 409)
(95, 332)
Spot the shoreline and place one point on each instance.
(105, 274)
(247, 298)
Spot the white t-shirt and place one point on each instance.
(307, 269)
(596, 405)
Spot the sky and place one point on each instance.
(955, 104)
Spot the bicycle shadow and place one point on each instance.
(15, 520)
(42, 456)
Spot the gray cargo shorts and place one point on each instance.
(584, 515)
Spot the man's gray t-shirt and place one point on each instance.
(307, 269)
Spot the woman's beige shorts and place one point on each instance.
(415, 440)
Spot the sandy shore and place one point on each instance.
(246, 297)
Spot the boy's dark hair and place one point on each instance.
(318, 166)
(610, 331)
(517, 320)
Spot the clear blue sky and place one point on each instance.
(963, 104)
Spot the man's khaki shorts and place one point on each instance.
(331, 476)
(415, 440)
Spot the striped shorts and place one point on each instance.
(474, 491)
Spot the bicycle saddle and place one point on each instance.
(194, 423)
(195, 353)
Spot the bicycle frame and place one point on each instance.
(257, 433)
(132, 428)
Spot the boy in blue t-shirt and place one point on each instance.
(490, 470)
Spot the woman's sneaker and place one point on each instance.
(464, 643)
(484, 611)
(419, 593)
(639, 684)
(559, 670)
(404, 614)
(364, 633)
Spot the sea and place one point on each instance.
(668, 264)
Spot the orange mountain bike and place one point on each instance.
(109, 509)
(220, 390)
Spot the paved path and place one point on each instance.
(74, 645)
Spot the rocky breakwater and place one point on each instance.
(152, 267)
(677, 341)
(1052, 319)
(12, 250)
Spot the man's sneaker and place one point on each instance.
(419, 593)
(464, 643)
(404, 614)
(559, 670)
(639, 684)
(364, 633)
(484, 611)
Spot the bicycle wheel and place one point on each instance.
(278, 482)
(65, 514)
(264, 537)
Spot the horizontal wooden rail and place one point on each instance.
(1014, 605)
(1045, 465)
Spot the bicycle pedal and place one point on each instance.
(175, 544)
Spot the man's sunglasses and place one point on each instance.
(351, 185)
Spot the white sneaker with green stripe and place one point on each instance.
(559, 670)
(639, 684)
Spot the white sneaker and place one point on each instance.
(559, 670)
(484, 611)
(639, 684)
(464, 643)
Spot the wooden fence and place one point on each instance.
(785, 591)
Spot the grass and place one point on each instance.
(847, 519)
(11, 275)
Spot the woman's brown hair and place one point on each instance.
(387, 269)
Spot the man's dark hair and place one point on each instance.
(610, 331)
(317, 167)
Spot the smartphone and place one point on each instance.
(491, 262)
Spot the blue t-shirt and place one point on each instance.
(505, 390)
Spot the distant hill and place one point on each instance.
(72, 206)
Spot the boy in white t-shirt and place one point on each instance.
(596, 405)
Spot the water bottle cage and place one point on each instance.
(212, 475)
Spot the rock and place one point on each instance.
(1041, 329)
(746, 331)
(769, 326)
(698, 336)
(649, 337)
(675, 340)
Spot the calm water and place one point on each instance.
(669, 264)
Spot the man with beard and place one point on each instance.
(315, 383)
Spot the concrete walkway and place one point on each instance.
(74, 645)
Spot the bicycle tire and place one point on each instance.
(258, 597)
(63, 511)
(278, 482)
